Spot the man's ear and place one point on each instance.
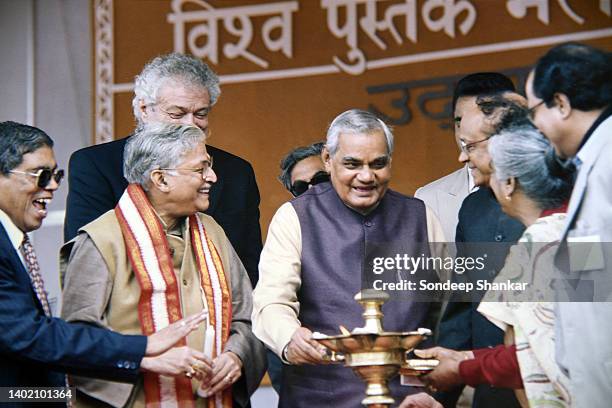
(563, 104)
(158, 181)
(142, 107)
(326, 157)
(510, 186)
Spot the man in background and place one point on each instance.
(482, 228)
(181, 89)
(445, 195)
(303, 168)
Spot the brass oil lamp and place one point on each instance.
(374, 355)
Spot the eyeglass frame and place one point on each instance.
(532, 111)
(57, 175)
(318, 178)
(465, 147)
(204, 171)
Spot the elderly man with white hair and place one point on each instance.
(156, 257)
(180, 89)
(319, 245)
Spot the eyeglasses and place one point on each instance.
(468, 148)
(301, 186)
(43, 176)
(180, 114)
(531, 111)
(203, 171)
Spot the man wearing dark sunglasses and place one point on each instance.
(36, 349)
(43, 176)
(303, 168)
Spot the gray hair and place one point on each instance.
(16, 140)
(183, 68)
(356, 121)
(293, 157)
(158, 146)
(525, 154)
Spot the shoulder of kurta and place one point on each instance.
(209, 222)
(215, 232)
(104, 228)
(286, 217)
(106, 235)
(284, 229)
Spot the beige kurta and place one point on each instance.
(100, 288)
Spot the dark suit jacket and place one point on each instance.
(96, 183)
(36, 350)
(483, 228)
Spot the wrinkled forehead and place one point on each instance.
(41, 158)
(196, 155)
(306, 168)
(362, 145)
(474, 126)
(177, 92)
(464, 105)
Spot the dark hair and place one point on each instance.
(481, 83)
(17, 140)
(579, 71)
(503, 112)
(290, 160)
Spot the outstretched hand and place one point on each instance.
(420, 400)
(446, 375)
(161, 341)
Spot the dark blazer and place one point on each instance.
(96, 183)
(483, 228)
(36, 350)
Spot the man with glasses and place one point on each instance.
(36, 349)
(445, 195)
(155, 257)
(303, 168)
(318, 251)
(482, 228)
(570, 97)
(181, 89)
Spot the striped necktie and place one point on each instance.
(27, 250)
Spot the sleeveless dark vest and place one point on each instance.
(336, 243)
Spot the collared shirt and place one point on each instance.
(15, 234)
(600, 119)
(471, 186)
(586, 150)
